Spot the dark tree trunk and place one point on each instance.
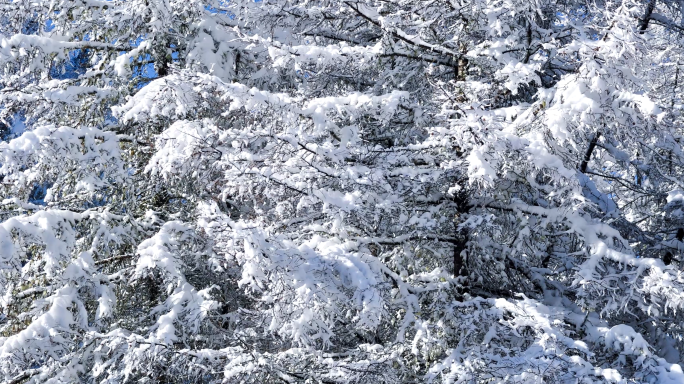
(462, 234)
(590, 150)
(459, 247)
(647, 16)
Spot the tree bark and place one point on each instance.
(590, 150)
(459, 247)
(462, 234)
(647, 16)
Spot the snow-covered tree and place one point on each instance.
(325, 191)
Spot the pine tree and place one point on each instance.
(391, 191)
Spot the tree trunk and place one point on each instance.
(590, 150)
(647, 16)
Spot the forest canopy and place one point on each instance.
(324, 191)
